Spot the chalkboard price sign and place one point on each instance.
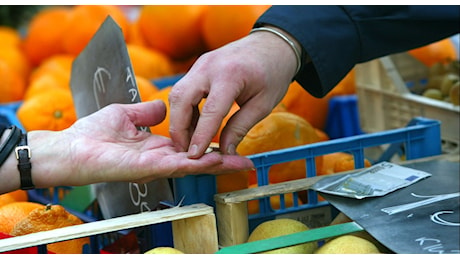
(423, 218)
(102, 74)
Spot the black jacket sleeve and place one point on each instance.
(336, 38)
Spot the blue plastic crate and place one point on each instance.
(8, 114)
(421, 138)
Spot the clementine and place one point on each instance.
(51, 217)
(149, 63)
(59, 65)
(12, 84)
(10, 37)
(135, 36)
(84, 22)
(146, 87)
(163, 127)
(346, 86)
(280, 130)
(13, 212)
(298, 101)
(17, 60)
(52, 109)
(223, 24)
(441, 51)
(13, 196)
(338, 162)
(45, 33)
(173, 29)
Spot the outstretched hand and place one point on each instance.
(107, 146)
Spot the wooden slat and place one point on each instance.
(197, 235)
(104, 226)
(232, 222)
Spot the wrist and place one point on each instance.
(289, 40)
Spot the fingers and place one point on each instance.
(183, 103)
(146, 113)
(215, 108)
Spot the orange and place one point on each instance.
(12, 84)
(84, 22)
(17, 60)
(52, 109)
(135, 36)
(45, 33)
(149, 63)
(146, 87)
(43, 83)
(280, 130)
(13, 212)
(173, 29)
(346, 86)
(322, 135)
(298, 101)
(59, 65)
(338, 162)
(223, 24)
(163, 127)
(441, 51)
(48, 218)
(9, 36)
(13, 196)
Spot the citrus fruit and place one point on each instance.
(17, 60)
(348, 244)
(280, 130)
(173, 29)
(298, 101)
(45, 33)
(51, 217)
(223, 24)
(13, 212)
(51, 109)
(280, 227)
(164, 250)
(9, 36)
(441, 51)
(338, 162)
(149, 63)
(163, 127)
(146, 87)
(12, 84)
(13, 196)
(84, 22)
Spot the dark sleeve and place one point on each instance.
(336, 38)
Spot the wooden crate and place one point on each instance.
(193, 227)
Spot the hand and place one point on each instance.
(106, 146)
(254, 71)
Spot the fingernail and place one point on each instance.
(231, 149)
(193, 150)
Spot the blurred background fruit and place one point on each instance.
(173, 29)
(223, 24)
(85, 20)
(440, 51)
(46, 33)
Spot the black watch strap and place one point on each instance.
(10, 143)
(23, 155)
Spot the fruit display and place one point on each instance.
(443, 82)
(163, 41)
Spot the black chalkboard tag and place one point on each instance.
(423, 218)
(102, 74)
